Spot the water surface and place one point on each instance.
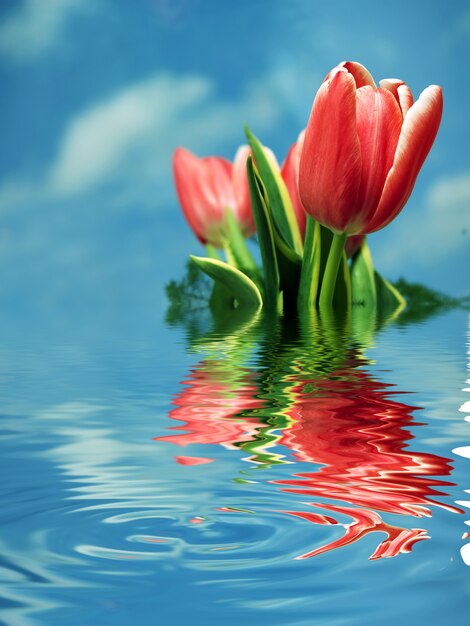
(266, 474)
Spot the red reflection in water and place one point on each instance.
(399, 539)
(193, 460)
(359, 435)
(209, 406)
(349, 425)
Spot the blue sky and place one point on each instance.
(97, 94)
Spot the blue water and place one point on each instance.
(156, 474)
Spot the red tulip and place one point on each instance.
(290, 175)
(364, 148)
(209, 186)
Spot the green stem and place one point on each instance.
(212, 252)
(238, 253)
(310, 273)
(343, 295)
(331, 271)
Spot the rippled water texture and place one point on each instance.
(268, 474)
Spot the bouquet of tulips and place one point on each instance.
(349, 174)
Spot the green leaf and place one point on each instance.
(326, 238)
(284, 220)
(342, 298)
(237, 250)
(363, 281)
(242, 288)
(389, 298)
(310, 273)
(264, 230)
(212, 251)
(290, 265)
(423, 302)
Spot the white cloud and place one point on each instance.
(36, 26)
(97, 143)
(451, 191)
(129, 138)
(123, 145)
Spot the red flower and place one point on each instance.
(290, 175)
(209, 186)
(364, 148)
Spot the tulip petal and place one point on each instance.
(417, 135)
(185, 171)
(379, 121)
(361, 75)
(216, 180)
(242, 192)
(204, 191)
(401, 91)
(290, 175)
(330, 165)
(405, 98)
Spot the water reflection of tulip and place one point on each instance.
(364, 148)
(358, 435)
(210, 186)
(310, 401)
(212, 409)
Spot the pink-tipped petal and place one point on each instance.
(379, 121)
(405, 98)
(290, 175)
(401, 91)
(204, 189)
(185, 172)
(361, 75)
(418, 132)
(391, 84)
(214, 186)
(242, 192)
(330, 164)
(217, 181)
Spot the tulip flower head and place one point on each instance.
(208, 187)
(363, 149)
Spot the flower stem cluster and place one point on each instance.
(349, 174)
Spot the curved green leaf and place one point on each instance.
(342, 297)
(265, 237)
(389, 298)
(280, 203)
(237, 250)
(363, 281)
(242, 288)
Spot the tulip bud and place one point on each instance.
(364, 147)
(208, 187)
